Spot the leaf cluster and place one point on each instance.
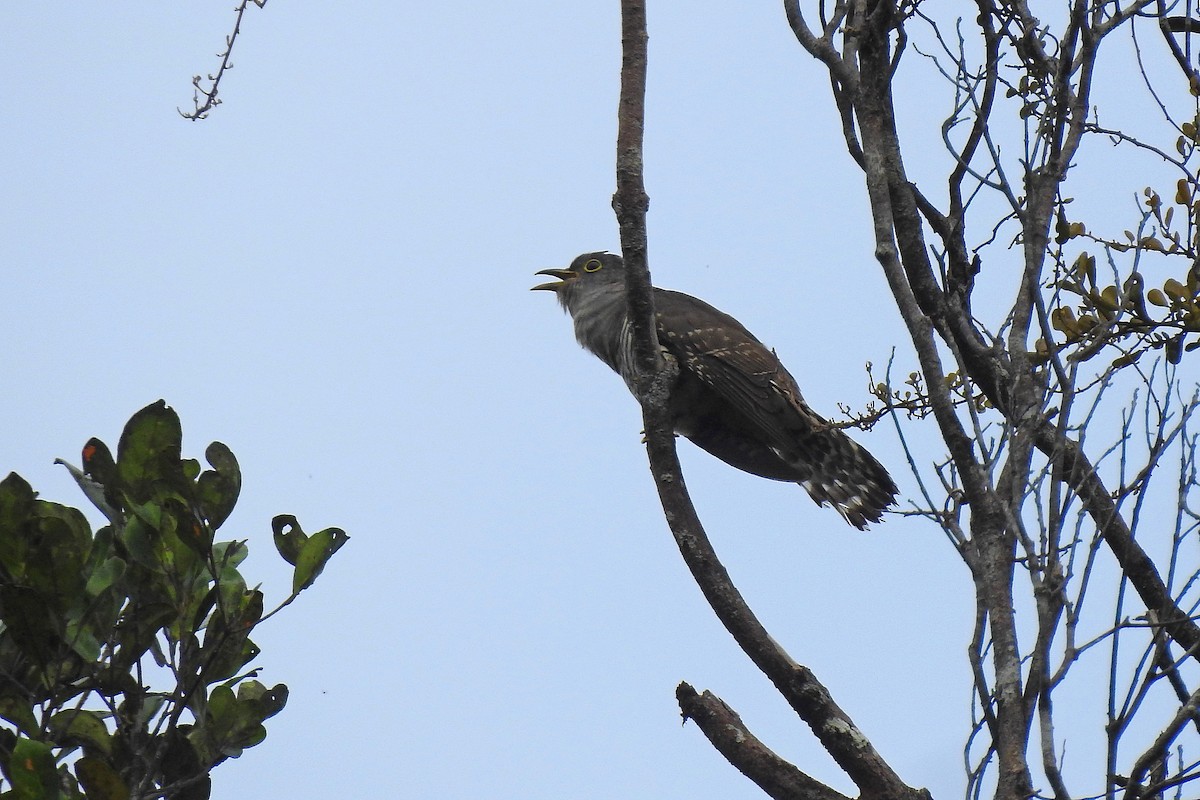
(1125, 314)
(124, 651)
(1128, 314)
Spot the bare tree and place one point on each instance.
(1067, 472)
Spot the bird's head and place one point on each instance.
(590, 275)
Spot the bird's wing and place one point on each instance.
(762, 402)
(719, 351)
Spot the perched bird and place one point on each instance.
(733, 397)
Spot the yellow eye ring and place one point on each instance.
(592, 265)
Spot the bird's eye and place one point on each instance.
(592, 265)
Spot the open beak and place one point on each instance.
(564, 276)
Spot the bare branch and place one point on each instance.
(1134, 561)
(1157, 751)
(822, 47)
(205, 100)
(725, 729)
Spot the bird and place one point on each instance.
(732, 397)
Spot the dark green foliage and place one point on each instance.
(125, 652)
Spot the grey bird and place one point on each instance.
(733, 397)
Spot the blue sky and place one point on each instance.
(331, 276)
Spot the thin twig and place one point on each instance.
(210, 99)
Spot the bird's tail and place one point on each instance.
(849, 478)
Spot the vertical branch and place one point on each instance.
(630, 201)
(901, 252)
(838, 734)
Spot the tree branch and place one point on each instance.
(726, 731)
(1158, 751)
(820, 48)
(901, 251)
(209, 95)
(807, 696)
(1135, 563)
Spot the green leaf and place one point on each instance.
(236, 604)
(233, 724)
(228, 556)
(218, 488)
(186, 544)
(138, 539)
(80, 727)
(80, 636)
(16, 501)
(201, 605)
(19, 712)
(181, 762)
(138, 628)
(150, 513)
(99, 780)
(236, 613)
(314, 555)
(152, 704)
(191, 468)
(34, 629)
(148, 454)
(115, 680)
(106, 573)
(289, 537)
(232, 654)
(60, 541)
(268, 702)
(32, 771)
(226, 646)
(221, 702)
